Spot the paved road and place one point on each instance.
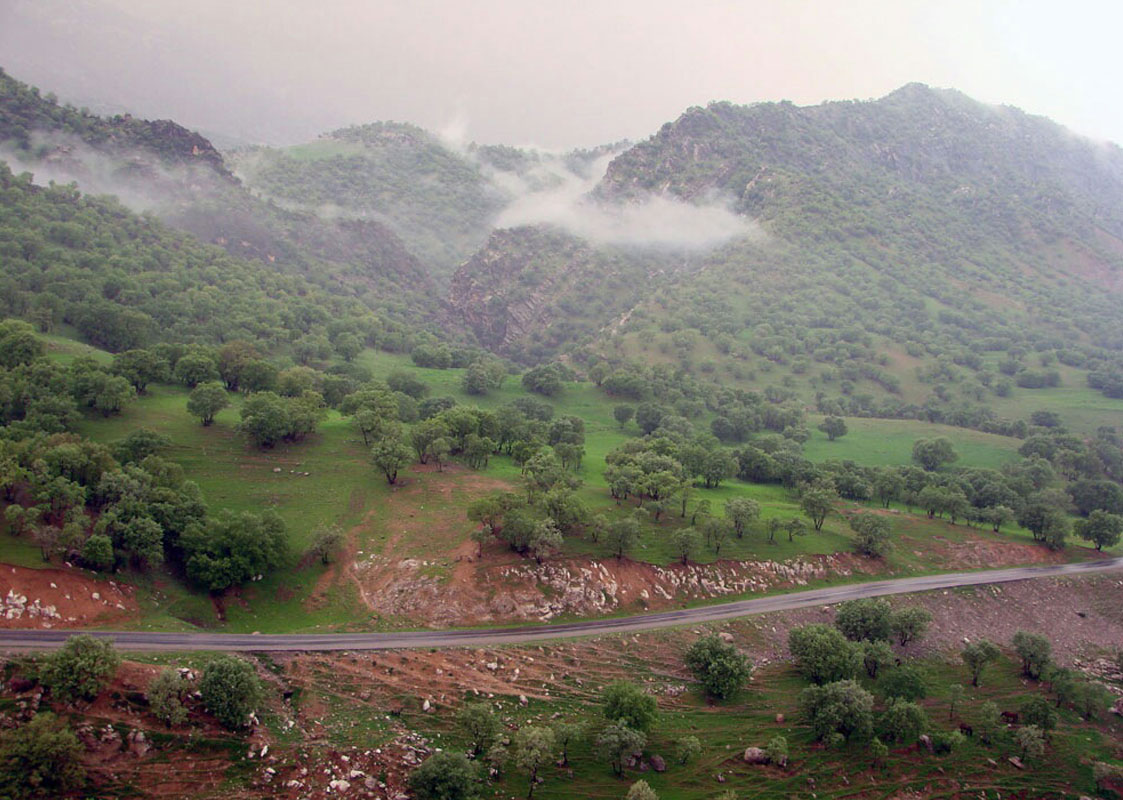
(137, 640)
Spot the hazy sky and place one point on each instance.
(552, 74)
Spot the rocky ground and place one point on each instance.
(61, 598)
(481, 592)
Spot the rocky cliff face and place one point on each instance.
(509, 288)
(530, 292)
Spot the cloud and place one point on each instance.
(554, 194)
(137, 179)
(454, 133)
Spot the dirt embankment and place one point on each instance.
(1083, 617)
(479, 592)
(426, 571)
(987, 553)
(60, 598)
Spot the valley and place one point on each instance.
(779, 453)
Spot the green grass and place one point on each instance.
(888, 442)
(19, 551)
(63, 347)
(339, 488)
(342, 488)
(1081, 409)
(235, 475)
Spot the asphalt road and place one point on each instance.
(138, 640)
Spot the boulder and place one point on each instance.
(755, 755)
(138, 743)
(110, 736)
(19, 685)
(658, 764)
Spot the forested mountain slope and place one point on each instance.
(127, 281)
(923, 253)
(178, 175)
(442, 200)
(439, 202)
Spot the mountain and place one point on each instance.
(160, 166)
(437, 200)
(37, 124)
(442, 201)
(920, 254)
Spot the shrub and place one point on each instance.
(617, 741)
(823, 654)
(80, 669)
(640, 790)
(777, 751)
(231, 691)
(626, 702)
(840, 709)
(445, 776)
(719, 667)
(687, 749)
(97, 552)
(480, 725)
(903, 721)
(906, 682)
(944, 742)
(867, 619)
(1035, 651)
(871, 535)
(166, 694)
(41, 758)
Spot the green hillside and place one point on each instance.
(177, 174)
(437, 200)
(925, 256)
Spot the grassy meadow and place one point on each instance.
(327, 479)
